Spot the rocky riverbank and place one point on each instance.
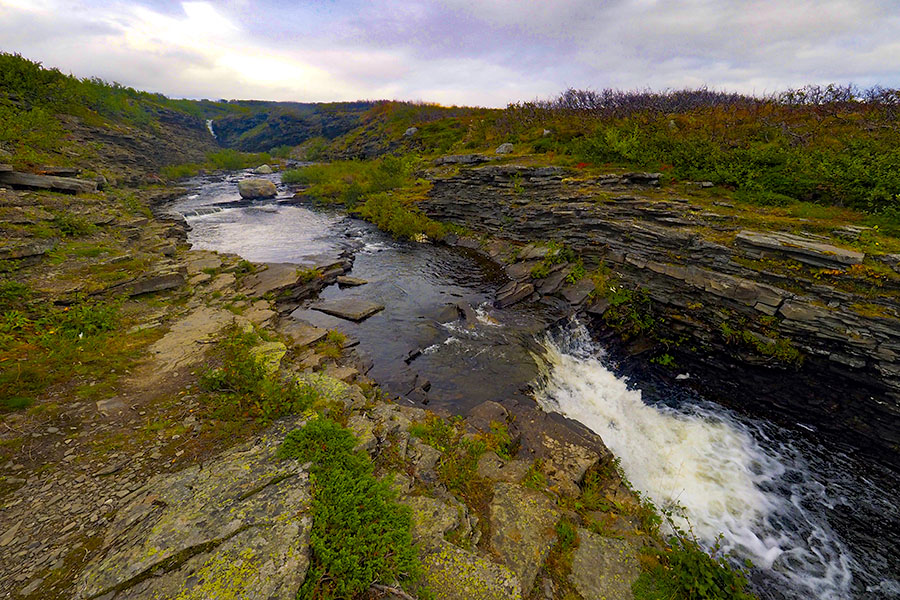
(122, 480)
(788, 322)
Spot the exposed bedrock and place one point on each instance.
(750, 336)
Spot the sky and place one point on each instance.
(466, 52)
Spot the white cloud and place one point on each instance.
(457, 51)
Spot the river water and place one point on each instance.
(816, 521)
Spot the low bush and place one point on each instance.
(360, 534)
(241, 388)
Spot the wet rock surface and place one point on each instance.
(731, 311)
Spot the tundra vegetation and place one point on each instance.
(827, 155)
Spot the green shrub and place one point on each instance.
(360, 534)
(13, 294)
(71, 225)
(241, 387)
(685, 571)
(399, 219)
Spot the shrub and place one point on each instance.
(241, 387)
(71, 225)
(360, 534)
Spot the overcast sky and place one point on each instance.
(484, 52)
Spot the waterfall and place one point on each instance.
(703, 464)
(209, 125)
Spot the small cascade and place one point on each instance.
(209, 125)
(705, 466)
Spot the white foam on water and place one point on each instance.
(704, 465)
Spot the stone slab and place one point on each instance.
(353, 309)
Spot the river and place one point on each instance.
(816, 520)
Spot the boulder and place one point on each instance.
(256, 188)
(263, 170)
(604, 567)
(505, 148)
(522, 530)
(410, 132)
(238, 524)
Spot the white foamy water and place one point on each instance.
(704, 464)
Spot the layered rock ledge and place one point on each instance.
(724, 297)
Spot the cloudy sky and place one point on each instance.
(485, 52)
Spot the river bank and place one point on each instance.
(108, 442)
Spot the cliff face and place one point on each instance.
(792, 322)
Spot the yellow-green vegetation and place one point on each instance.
(458, 466)
(768, 343)
(332, 345)
(383, 191)
(685, 571)
(242, 388)
(305, 275)
(42, 346)
(227, 159)
(360, 533)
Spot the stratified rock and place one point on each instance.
(68, 185)
(5, 168)
(505, 148)
(257, 188)
(263, 170)
(803, 249)
(452, 573)
(512, 293)
(235, 525)
(29, 249)
(155, 283)
(461, 159)
(59, 171)
(522, 529)
(604, 567)
(353, 309)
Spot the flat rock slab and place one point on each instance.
(156, 283)
(302, 334)
(182, 345)
(47, 182)
(237, 526)
(604, 567)
(345, 281)
(353, 309)
(522, 529)
(806, 250)
(274, 277)
(452, 573)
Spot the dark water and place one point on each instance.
(817, 521)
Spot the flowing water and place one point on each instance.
(816, 521)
